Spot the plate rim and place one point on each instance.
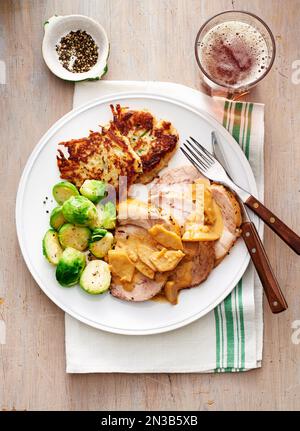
(43, 141)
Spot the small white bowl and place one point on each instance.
(58, 26)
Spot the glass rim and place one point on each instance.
(269, 31)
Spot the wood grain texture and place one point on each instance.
(263, 268)
(150, 39)
(278, 226)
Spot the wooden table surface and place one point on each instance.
(150, 39)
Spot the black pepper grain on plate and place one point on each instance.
(77, 51)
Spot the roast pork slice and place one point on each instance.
(143, 287)
(232, 219)
(138, 213)
(173, 180)
(198, 261)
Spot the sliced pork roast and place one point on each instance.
(195, 266)
(232, 219)
(138, 213)
(171, 191)
(168, 186)
(143, 287)
(200, 257)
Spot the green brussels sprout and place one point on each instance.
(56, 218)
(70, 267)
(94, 190)
(100, 248)
(97, 234)
(51, 247)
(81, 211)
(63, 191)
(73, 236)
(108, 215)
(96, 277)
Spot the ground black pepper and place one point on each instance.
(77, 51)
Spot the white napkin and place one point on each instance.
(207, 345)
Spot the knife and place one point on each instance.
(254, 244)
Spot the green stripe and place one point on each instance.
(237, 121)
(222, 336)
(229, 330)
(217, 320)
(229, 116)
(241, 314)
(229, 370)
(241, 140)
(225, 114)
(237, 326)
(247, 149)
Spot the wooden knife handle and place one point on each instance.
(280, 228)
(261, 262)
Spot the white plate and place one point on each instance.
(104, 311)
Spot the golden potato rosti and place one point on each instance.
(154, 141)
(102, 156)
(134, 144)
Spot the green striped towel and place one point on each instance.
(229, 316)
(228, 339)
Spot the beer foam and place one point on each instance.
(234, 53)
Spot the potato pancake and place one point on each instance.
(102, 156)
(134, 144)
(153, 140)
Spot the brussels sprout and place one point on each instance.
(97, 234)
(63, 191)
(51, 247)
(56, 218)
(70, 267)
(101, 247)
(96, 223)
(80, 210)
(94, 190)
(73, 236)
(109, 216)
(96, 277)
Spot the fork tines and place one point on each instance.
(198, 155)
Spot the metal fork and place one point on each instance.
(209, 166)
(206, 163)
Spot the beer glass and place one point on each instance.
(234, 50)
